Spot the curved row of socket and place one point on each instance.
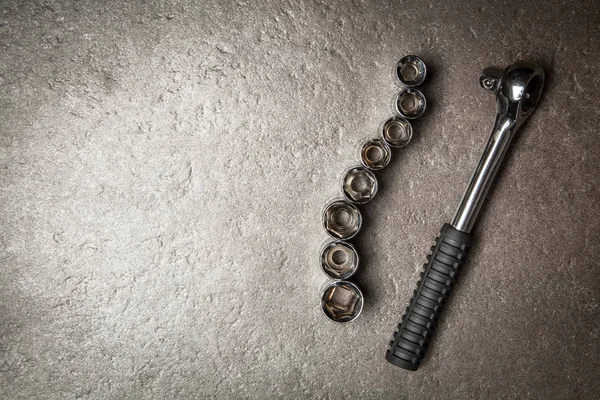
(341, 300)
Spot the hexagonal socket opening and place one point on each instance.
(397, 132)
(342, 220)
(375, 154)
(359, 185)
(410, 103)
(411, 71)
(339, 260)
(342, 301)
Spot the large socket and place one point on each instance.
(341, 301)
(339, 260)
(359, 185)
(342, 219)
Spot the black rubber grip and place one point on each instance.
(437, 279)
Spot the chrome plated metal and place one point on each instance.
(341, 219)
(396, 132)
(518, 91)
(410, 103)
(359, 185)
(339, 260)
(375, 154)
(341, 301)
(411, 71)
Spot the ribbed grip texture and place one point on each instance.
(437, 279)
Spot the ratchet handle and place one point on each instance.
(445, 261)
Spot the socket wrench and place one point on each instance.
(518, 91)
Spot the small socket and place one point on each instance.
(341, 219)
(397, 132)
(341, 301)
(359, 185)
(339, 260)
(410, 103)
(375, 154)
(411, 71)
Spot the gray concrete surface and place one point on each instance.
(163, 170)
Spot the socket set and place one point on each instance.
(517, 90)
(342, 300)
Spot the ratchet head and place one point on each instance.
(517, 89)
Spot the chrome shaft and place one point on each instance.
(517, 92)
(482, 179)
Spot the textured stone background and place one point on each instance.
(163, 170)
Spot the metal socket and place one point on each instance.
(359, 185)
(375, 154)
(397, 132)
(341, 301)
(410, 103)
(339, 260)
(411, 71)
(341, 219)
